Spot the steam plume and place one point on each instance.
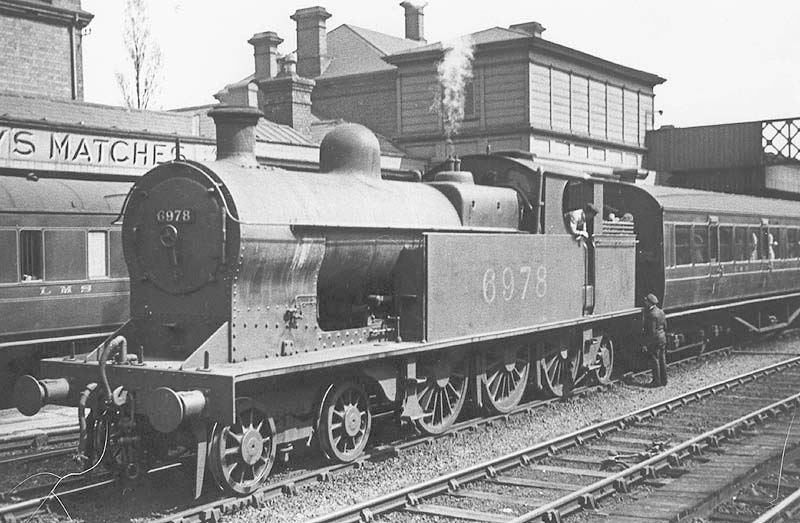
(454, 71)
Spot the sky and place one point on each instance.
(724, 61)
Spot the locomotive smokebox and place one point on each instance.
(350, 149)
(236, 133)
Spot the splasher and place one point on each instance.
(454, 71)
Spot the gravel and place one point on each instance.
(444, 455)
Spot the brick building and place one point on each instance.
(41, 53)
(46, 128)
(526, 93)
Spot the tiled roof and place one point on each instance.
(355, 50)
(68, 112)
(266, 131)
(487, 36)
(386, 44)
(499, 34)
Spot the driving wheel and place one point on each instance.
(242, 454)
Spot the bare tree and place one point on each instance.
(139, 84)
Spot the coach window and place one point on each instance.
(725, 243)
(65, 254)
(752, 243)
(768, 243)
(31, 259)
(682, 247)
(793, 243)
(713, 243)
(700, 244)
(8, 256)
(740, 242)
(97, 253)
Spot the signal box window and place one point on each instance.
(682, 247)
(31, 259)
(97, 252)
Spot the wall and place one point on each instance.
(587, 104)
(35, 58)
(706, 147)
(369, 99)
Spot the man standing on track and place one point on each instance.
(655, 338)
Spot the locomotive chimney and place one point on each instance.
(236, 133)
(265, 51)
(312, 41)
(415, 27)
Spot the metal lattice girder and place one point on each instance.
(780, 141)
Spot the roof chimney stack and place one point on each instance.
(312, 43)
(534, 29)
(265, 50)
(236, 133)
(415, 27)
(286, 99)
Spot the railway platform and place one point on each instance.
(14, 425)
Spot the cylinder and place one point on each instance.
(167, 409)
(30, 394)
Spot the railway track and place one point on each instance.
(218, 507)
(27, 500)
(566, 475)
(215, 509)
(771, 494)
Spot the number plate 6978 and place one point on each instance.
(174, 216)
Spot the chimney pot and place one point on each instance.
(415, 27)
(312, 42)
(236, 133)
(265, 51)
(532, 28)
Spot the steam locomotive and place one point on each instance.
(271, 307)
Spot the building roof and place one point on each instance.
(185, 122)
(355, 50)
(486, 36)
(266, 131)
(50, 111)
(499, 36)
